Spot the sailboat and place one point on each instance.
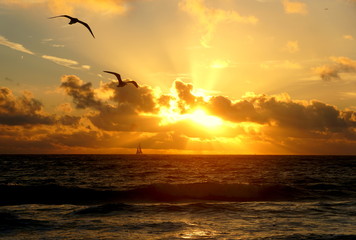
(139, 150)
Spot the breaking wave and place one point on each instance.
(56, 194)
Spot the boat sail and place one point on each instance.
(139, 150)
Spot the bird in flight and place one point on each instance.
(121, 82)
(76, 20)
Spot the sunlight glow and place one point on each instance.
(199, 116)
(220, 64)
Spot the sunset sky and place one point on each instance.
(215, 76)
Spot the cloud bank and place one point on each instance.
(115, 119)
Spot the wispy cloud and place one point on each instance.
(272, 65)
(61, 61)
(70, 6)
(292, 47)
(294, 7)
(49, 41)
(87, 67)
(16, 46)
(209, 17)
(66, 62)
(348, 37)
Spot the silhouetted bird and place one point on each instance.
(76, 20)
(121, 82)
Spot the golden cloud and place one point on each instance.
(294, 7)
(272, 65)
(209, 18)
(292, 47)
(348, 37)
(61, 61)
(16, 46)
(70, 6)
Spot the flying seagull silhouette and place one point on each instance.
(121, 82)
(75, 20)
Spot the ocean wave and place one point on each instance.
(157, 227)
(56, 194)
(9, 221)
(106, 209)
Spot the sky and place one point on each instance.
(215, 76)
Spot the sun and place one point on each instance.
(202, 118)
(198, 116)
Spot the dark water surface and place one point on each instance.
(177, 197)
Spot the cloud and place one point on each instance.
(49, 41)
(209, 18)
(16, 46)
(82, 93)
(140, 99)
(66, 62)
(87, 67)
(23, 110)
(292, 47)
(275, 112)
(70, 6)
(332, 71)
(120, 111)
(61, 61)
(272, 65)
(348, 37)
(294, 7)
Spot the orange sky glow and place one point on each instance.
(216, 77)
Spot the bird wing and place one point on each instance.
(87, 26)
(116, 74)
(67, 16)
(133, 82)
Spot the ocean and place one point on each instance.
(177, 197)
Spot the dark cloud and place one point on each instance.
(124, 117)
(285, 113)
(141, 99)
(128, 99)
(313, 116)
(82, 93)
(186, 99)
(121, 112)
(166, 140)
(21, 110)
(164, 100)
(332, 71)
(240, 111)
(68, 120)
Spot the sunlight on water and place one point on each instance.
(197, 234)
